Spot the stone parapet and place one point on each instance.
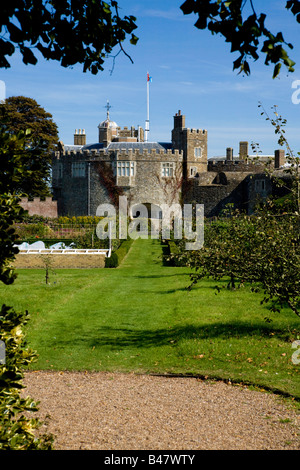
(236, 166)
(107, 155)
(37, 206)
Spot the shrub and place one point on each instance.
(112, 261)
(117, 256)
(175, 254)
(33, 230)
(16, 430)
(89, 239)
(78, 221)
(123, 250)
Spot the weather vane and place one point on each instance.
(107, 108)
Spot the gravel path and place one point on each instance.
(108, 411)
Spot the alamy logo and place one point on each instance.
(2, 90)
(296, 354)
(187, 222)
(296, 94)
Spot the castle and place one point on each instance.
(123, 162)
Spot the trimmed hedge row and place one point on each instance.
(174, 254)
(117, 256)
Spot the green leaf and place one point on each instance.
(188, 7)
(276, 70)
(28, 56)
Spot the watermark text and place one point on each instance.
(186, 223)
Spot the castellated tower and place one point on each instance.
(193, 144)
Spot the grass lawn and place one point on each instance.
(140, 318)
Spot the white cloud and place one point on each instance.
(172, 14)
(186, 83)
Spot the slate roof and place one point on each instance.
(123, 145)
(72, 148)
(139, 146)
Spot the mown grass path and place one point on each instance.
(140, 317)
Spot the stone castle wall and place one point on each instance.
(216, 190)
(236, 166)
(83, 194)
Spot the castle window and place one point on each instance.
(57, 170)
(78, 169)
(197, 152)
(60, 170)
(126, 169)
(167, 170)
(259, 185)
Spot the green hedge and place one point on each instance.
(175, 252)
(117, 256)
(112, 261)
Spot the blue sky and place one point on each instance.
(191, 71)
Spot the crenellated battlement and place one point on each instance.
(238, 166)
(105, 154)
(196, 131)
(37, 206)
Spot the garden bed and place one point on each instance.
(60, 259)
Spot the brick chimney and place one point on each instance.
(179, 120)
(243, 150)
(79, 137)
(229, 154)
(279, 158)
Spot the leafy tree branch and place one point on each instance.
(244, 33)
(68, 31)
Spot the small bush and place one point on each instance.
(17, 432)
(174, 254)
(112, 261)
(37, 230)
(117, 256)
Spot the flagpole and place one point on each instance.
(148, 111)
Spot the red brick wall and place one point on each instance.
(46, 208)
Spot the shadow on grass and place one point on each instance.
(157, 276)
(118, 338)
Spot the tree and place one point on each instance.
(261, 250)
(68, 31)
(19, 113)
(244, 33)
(13, 164)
